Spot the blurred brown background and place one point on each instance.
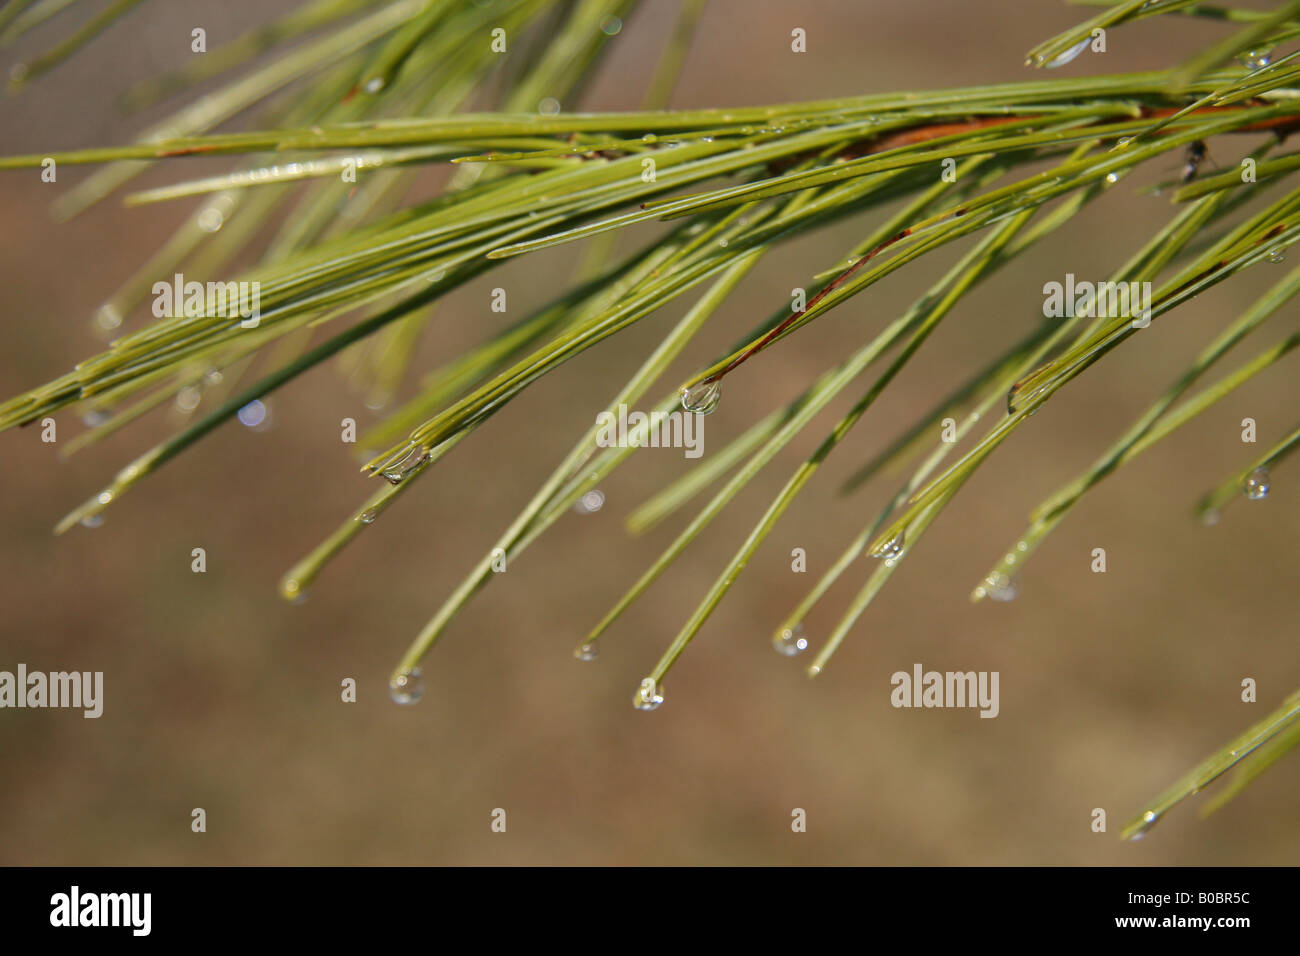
(221, 696)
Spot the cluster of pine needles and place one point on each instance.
(353, 270)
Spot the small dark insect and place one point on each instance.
(1195, 156)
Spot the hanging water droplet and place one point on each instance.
(1001, 587)
(293, 591)
(368, 516)
(187, 399)
(1257, 484)
(406, 688)
(252, 414)
(590, 503)
(648, 696)
(790, 641)
(702, 397)
(610, 26)
(587, 652)
(95, 417)
(891, 549)
(1069, 54)
(107, 318)
(92, 521)
(211, 219)
(399, 472)
(1149, 819)
(1276, 254)
(1112, 178)
(1255, 59)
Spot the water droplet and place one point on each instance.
(587, 652)
(1210, 516)
(211, 219)
(1149, 819)
(891, 549)
(649, 138)
(1255, 59)
(187, 399)
(399, 472)
(107, 318)
(549, 106)
(92, 521)
(1257, 484)
(104, 497)
(1069, 54)
(1001, 587)
(590, 503)
(610, 26)
(375, 84)
(706, 139)
(1112, 178)
(252, 414)
(1276, 254)
(95, 417)
(723, 243)
(648, 696)
(213, 377)
(292, 590)
(790, 641)
(702, 397)
(406, 688)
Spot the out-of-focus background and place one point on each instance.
(219, 695)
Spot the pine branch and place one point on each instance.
(379, 91)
